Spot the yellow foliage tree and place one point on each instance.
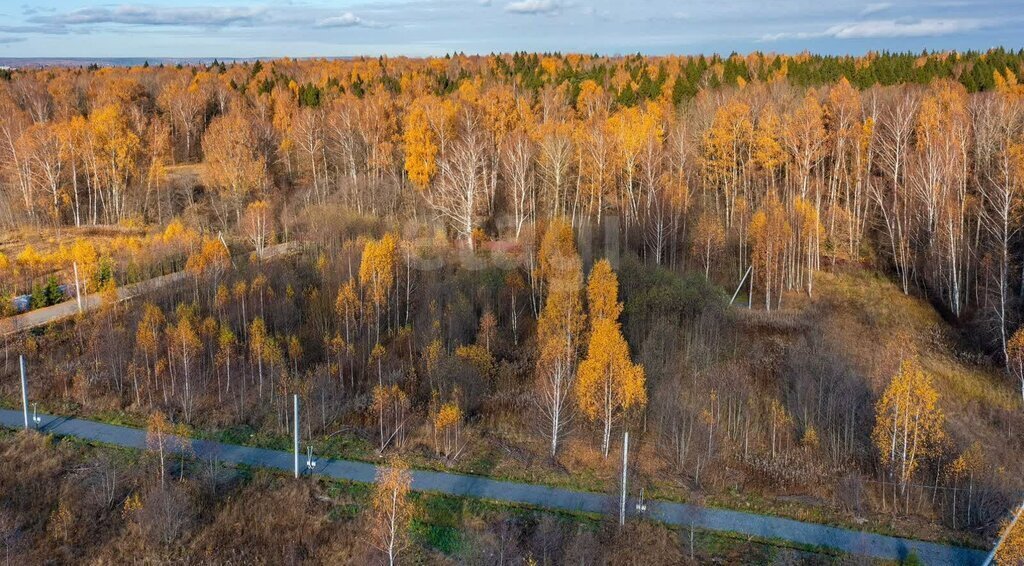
(233, 163)
(908, 421)
(421, 147)
(488, 330)
(390, 404)
(723, 152)
(767, 148)
(805, 137)
(965, 466)
(560, 326)
(158, 438)
(147, 336)
(447, 430)
(85, 264)
(377, 271)
(1011, 551)
(809, 233)
(258, 225)
(1015, 358)
(770, 232)
(391, 510)
(477, 356)
(603, 293)
(708, 240)
(117, 150)
(346, 305)
(609, 382)
(30, 262)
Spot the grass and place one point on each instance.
(870, 304)
(351, 447)
(970, 383)
(439, 519)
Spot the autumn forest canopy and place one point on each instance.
(797, 280)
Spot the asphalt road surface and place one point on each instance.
(681, 514)
(68, 309)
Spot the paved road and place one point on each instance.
(68, 309)
(854, 542)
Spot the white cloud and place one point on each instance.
(886, 29)
(346, 20)
(210, 16)
(902, 28)
(156, 16)
(549, 7)
(875, 8)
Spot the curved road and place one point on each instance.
(681, 514)
(68, 309)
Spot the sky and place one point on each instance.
(311, 28)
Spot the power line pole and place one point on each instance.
(625, 461)
(295, 398)
(78, 293)
(740, 286)
(750, 291)
(1002, 538)
(24, 390)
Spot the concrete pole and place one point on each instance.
(295, 423)
(1009, 528)
(78, 292)
(625, 461)
(24, 390)
(750, 292)
(740, 286)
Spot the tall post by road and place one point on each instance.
(295, 423)
(78, 291)
(24, 390)
(625, 462)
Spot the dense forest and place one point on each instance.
(797, 280)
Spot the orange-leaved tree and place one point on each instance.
(447, 430)
(346, 305)
(770, 233)
(908, 421)
(1011, 551)
(234, 165)
(147, 339)
(258, 226)
(1015, 358)
(603, 293)
(609, 382)
(158, 438)
(708, 241)
(560, 326)
(377, 271)
(392, 511)
(421, 148)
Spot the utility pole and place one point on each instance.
(1002, 538)
(295, 423)
(740, 286)
(625, 462)
(750, 291)
(24, 390)
(78, 293)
